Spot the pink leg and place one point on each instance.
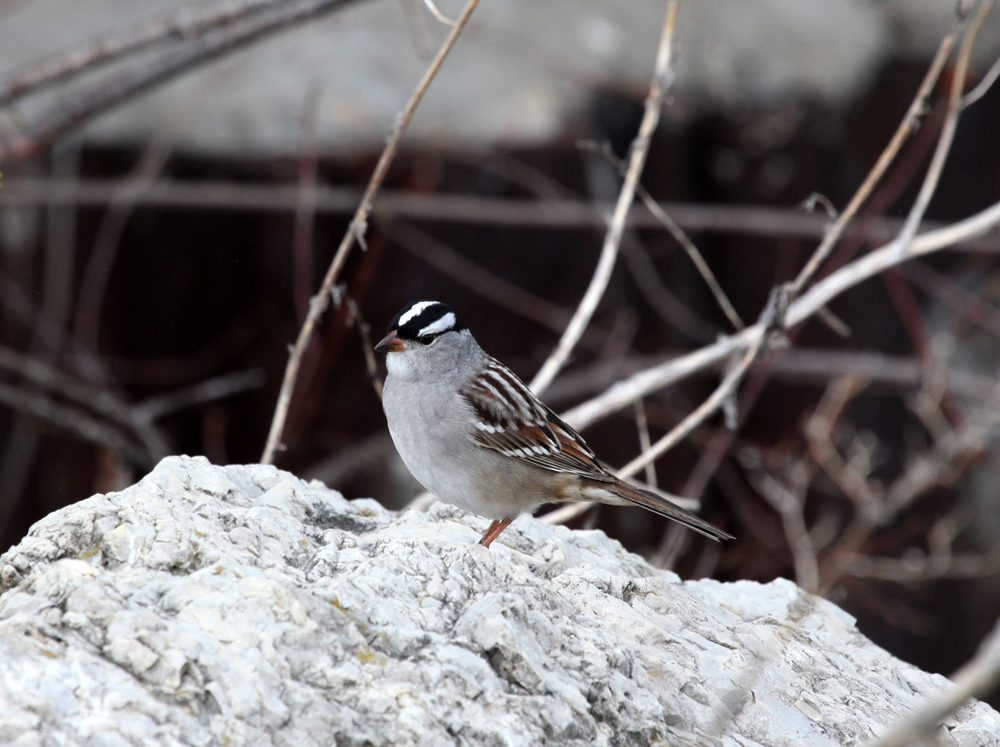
(493, 532)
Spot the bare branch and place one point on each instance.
(789, 501)
(46, 376)
(105, 251)
(456, 266)
(905, 129)
(679, 236)
(658, 295)
(820, 366)
(644, 443)
(355, 319)
(438, 14)
(772, 320)
(612, 240)
(819, 432)
(641, 384)
(189, 21)
(932, 568)
(947, 135)
(40, 131)
(983, 86)
(23, 306)
(354, 233)
(953, 295)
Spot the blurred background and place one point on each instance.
(177, 176)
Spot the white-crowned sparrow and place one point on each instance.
(473, 434)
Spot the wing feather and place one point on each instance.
(511, 420)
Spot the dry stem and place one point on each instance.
(906, 127)
(41, 130)
(187, 22)
(354, 233)
(771, 320)
(679, 236)
(947, 135)
(642, 383)
(612, 240)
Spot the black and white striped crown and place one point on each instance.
(425, 318)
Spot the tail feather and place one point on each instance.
(660, 505)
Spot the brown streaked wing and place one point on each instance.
(545, 442)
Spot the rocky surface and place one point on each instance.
(239, 605)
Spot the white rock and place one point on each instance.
(210, 605)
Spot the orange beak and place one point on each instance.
(389, 344)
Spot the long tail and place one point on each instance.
(660, 505)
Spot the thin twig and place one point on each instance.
(789, 501)
(875, 505)
(692, 251)
(947, 134)
(660, 298)
(834, 322)
(932, 568)
(818, 365)
(42, 129)
(906, 127)
(179, 370)
(187, 22)
(218, 387)
(136, 417)
(24, 437)
(642, 383)
(419, 29)
(23, 307)
(438, 14)
(679, 236)
(968, 305)
(983, 86)
(492, 287)
(354, 233)
(612, 240)
(772, 319)
(44, 375)
(355, 319)
(819, 432)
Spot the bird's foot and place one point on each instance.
(497, 526)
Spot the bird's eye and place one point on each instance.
(426, 339)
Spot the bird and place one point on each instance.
(472, 433)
